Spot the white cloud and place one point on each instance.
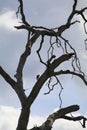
(8, 20)
(36, 121)
(67, 125)
(9, 117)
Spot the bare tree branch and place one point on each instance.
(43, 78)
(60, 60)
(24, 56)
(61, 72)
(78, 118)
(61, 113)
(39, 49)
(62, 28)
(47, 31)
(21, 11)
(80, 12)
(37, 87)
(17, 89)
(7, 77)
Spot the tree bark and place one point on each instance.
(23, 119)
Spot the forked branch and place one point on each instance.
(46, 74)
(61, 113)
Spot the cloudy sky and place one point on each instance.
(48, 13)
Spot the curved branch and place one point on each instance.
(39, 49)
(62, 28)
(43, 30)
(46, 31)
(71, 72)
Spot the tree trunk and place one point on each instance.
(23, 119)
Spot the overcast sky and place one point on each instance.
(48, 13)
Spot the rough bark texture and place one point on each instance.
(24, 118)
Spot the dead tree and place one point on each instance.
(56, 40)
